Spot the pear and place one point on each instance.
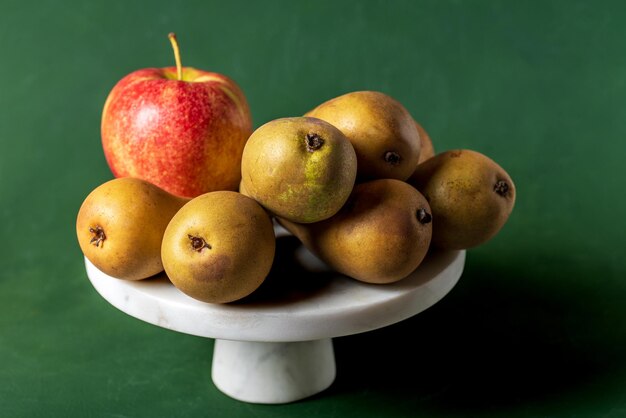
(381, 235)
(120, 227)
(470, 194)
(382, 131)
(219, 247)
(427, 149)
(302, 169)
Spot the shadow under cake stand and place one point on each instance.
(279, 350)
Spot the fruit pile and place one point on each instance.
(356, 180)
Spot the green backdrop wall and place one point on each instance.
(536, 325)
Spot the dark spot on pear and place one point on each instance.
(215, 268)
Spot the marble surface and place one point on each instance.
(323, 304)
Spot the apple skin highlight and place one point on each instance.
(185, 136)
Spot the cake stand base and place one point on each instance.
(273, 372)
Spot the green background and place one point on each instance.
(536, 326)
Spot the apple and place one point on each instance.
(180, 128)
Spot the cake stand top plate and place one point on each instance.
(301, 300)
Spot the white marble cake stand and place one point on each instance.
(279, 351)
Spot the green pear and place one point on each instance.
(302, 169)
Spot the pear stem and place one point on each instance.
(179, 66)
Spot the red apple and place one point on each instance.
(180, 128)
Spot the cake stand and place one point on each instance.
(275, 346)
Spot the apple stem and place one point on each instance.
(179, 66)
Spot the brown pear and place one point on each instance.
(381, 235)
(427, 149)
(219, 247)
(381, 130)
(120, 227)
(471, 197)
(299, 168)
